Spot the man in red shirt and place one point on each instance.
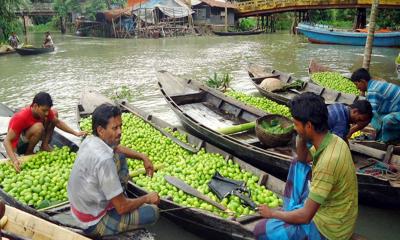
(31, 124)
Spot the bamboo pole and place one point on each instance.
(370, 37)
(226, 17)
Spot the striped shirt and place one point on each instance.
(339, 119)
(334, 187)
(383, 96)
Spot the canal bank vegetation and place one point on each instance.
(8, 20)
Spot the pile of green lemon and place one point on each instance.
(42, 179)
(335, 81)
(196, 169)
(261, 103)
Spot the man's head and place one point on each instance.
(107, 123)
(360, 111)
(310, 115)
(41, 105)
(361, 78)
(47, 33)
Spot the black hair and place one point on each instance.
(309, 107)
(360, 74)
(102, 115)
(43, 99)
(363, 106)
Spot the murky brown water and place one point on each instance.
(108, 64)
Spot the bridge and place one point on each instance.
(248, 8)
(38, 9)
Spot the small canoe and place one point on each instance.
(27, 226)
(206, 224)
(325, 35)
(33, 51)
(58, 214)
(238, 33)
(203, 110)
(258, 74)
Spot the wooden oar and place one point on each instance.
(192, 191)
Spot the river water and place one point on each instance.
(109, 65)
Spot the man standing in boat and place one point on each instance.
(341, 117)
(327, 207)
(95, 187)
(385, 101)
(13, 40)
(48, 41)
(31, 124)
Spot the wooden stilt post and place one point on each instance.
(226, 17)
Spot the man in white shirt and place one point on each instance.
(95, 190)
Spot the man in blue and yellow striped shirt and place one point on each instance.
(385, 101)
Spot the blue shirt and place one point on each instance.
(383, 96)
(339, 119)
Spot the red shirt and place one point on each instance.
(23, 120)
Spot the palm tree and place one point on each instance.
(370, 38)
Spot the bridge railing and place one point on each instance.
(260, 5)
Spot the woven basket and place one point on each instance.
(270, 140)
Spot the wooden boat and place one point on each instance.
(203, 110)
(33, 51)
(59, 214)
(324, 35)
(207, 225)
(22, 225)
(254, 32)
(258, 74)
(315, 67)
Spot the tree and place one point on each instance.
(63, 7)
(370, 37)
(8, 19)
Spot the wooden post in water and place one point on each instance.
(370, 37)
(226, 17)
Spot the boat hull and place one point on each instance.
(372, 191)
(207, 225)
(33, 51)
(237, 33)
(325, 36)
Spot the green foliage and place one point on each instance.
(63, 7)
(8, 20)
(122, 93)
(388, 18)
(221, 83)
(91, 7)
(247, 24)
(49, 26)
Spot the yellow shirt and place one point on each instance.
(334, 186)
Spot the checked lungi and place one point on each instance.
(113, 223)
(296, 192)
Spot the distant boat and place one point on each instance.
(33, 51)
(317, 34)
(254, 32)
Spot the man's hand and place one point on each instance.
(148, 166)
(265, 211)
(81, 134)
(17, 165)
(152, 198)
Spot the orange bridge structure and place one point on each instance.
(248, 8)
